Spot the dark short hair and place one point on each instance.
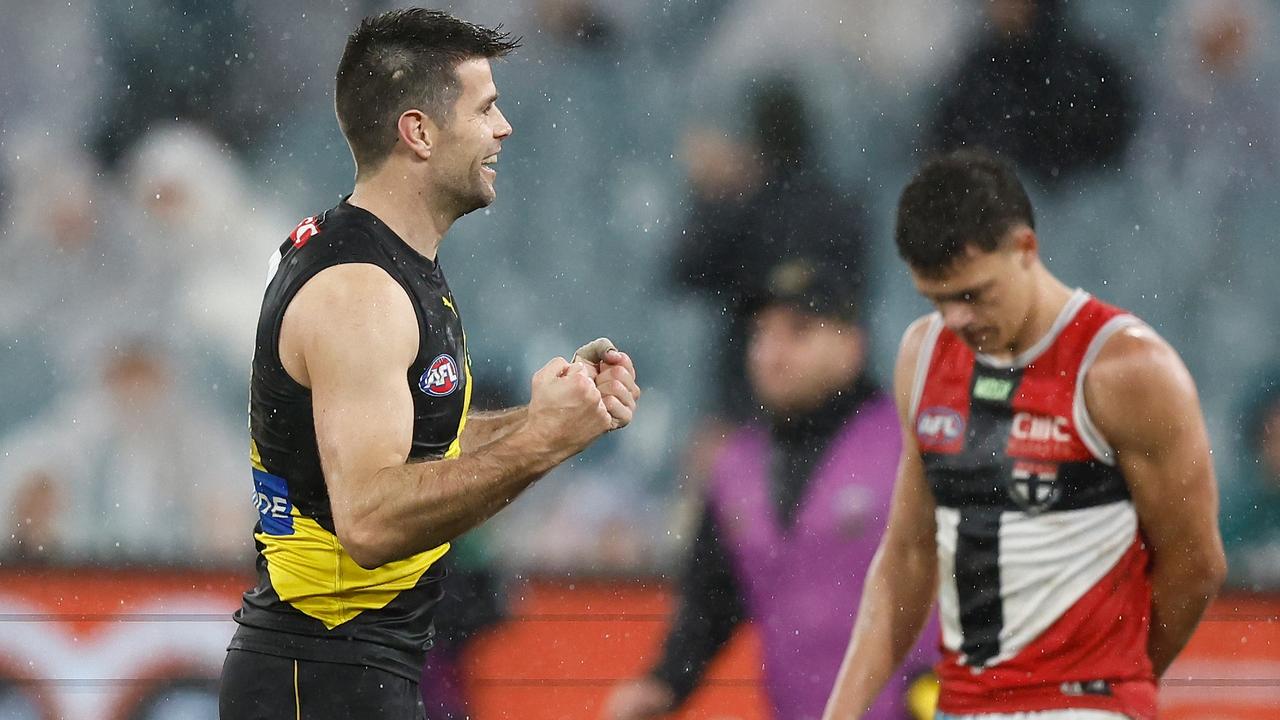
(966, 198)
(400, 60)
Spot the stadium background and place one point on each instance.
(154, 153)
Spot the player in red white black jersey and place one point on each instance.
(1055, 489)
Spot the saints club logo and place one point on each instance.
(1034, 487)
(441, 377)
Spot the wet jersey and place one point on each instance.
(312, 601)
(1044, 593)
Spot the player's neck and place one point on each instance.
(1050, 297)
(406, 210)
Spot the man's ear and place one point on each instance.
(417, 132)
(1026, 242)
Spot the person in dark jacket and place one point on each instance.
(1034, 90)
(757, 199)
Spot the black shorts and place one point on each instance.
(266, 687)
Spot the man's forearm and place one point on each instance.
(487, 426)
(1179, 598)
(436, 501)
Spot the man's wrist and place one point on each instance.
(533, 445)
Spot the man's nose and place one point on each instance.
(503, 129)
(956, 316)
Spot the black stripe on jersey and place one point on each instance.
(978, 584)
(977, 560)
(1080, 485)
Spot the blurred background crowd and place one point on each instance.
(667, 156)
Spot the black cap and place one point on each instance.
(812, 286)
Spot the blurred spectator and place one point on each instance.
(1251, 504)
(69, 268)
(794, 509)
(1208, 161)
(132, 469)
(1214, 125)
(205, 233)
(1038, 92)
(755, 201)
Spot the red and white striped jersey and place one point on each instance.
(1044, 593)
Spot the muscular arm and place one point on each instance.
(902, 579)
(1144, 402)
(350, 335)
(484, 427)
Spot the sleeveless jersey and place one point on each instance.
(1044, 593)
(312, 601)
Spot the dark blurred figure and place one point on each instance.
(794, 508)
(1037, 92)
(174, 59)
(756, 201)
(577, 22)
(1251, 504)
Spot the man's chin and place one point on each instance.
(480, 201)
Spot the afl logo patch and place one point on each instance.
(939, 425)
(441, 377)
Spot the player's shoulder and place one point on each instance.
(913, 342)
(354, 284)
(913, 338)
(353, 305)
(1134, 367)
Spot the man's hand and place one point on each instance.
(615, 377)
(566, 409)
(638, 699)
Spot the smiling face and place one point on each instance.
(986, 298)
(467, 145)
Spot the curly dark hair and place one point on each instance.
(957, 200)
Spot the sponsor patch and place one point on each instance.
(441, 377)
(271, 495)
(306, 229)
(992, 389)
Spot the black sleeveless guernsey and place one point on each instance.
(312, 601)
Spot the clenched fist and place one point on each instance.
(566, 409)
(615, 377)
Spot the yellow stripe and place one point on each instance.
(254, 458)
(455, 447)
(297, 696)
(311, 571)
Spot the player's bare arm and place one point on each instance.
(902, 580)
(486, 426)
(350, 335)
(1144, 403)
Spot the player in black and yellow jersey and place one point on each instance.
(366, 459)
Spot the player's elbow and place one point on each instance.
(1207, 571)
(1215, 572)
(367, 546)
